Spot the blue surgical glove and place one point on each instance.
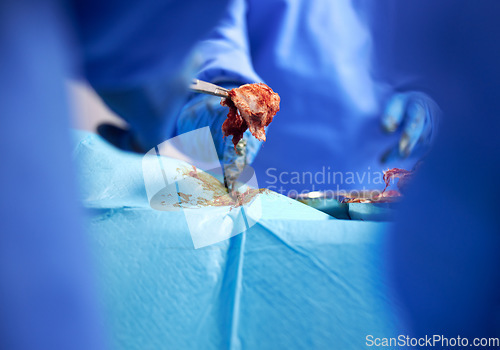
(150, 111)
(416, 116)
(205, 110)
(149, 107)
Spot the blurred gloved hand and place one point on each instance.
(205, 110)
(149, 107)
(416, 115)
(121, 138)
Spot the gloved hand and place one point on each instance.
(149, 109)
(149, 106)
(417, 116)
(121, 138)
(205, 110)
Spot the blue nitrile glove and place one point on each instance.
(417, 116)
(205, 110)
(150, 107)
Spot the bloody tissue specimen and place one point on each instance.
(251, 106)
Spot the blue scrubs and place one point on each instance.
(316, 56)
(137, 56)
(47, 297)
(132, 51)
(444, 249)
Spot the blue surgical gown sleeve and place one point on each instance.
(225, 52)
(136, 56)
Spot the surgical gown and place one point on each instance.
(317, 56)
